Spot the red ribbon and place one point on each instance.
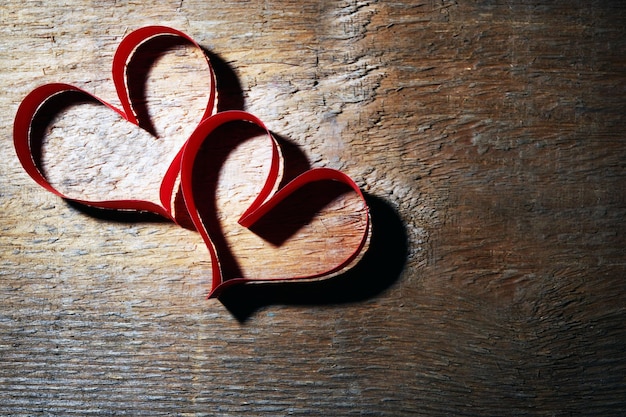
(183, 162)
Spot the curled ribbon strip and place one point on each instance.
(266, 200)
(35, 99)
(182, 166)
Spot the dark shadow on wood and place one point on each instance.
(298, 210)
(380, 267)
(229, 91)
(119, 216)
(296, 161)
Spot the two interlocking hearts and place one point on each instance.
(339, 241)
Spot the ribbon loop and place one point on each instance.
(180, 171)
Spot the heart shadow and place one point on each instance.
(378, 269)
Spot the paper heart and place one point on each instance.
(180, 164)
(139, 125)
(266, 199)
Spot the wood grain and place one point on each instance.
(490, 139)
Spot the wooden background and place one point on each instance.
(489, 137)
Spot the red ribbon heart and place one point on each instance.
(22, 132)
(184, 162)
(266, 200)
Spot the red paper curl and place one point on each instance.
(181, 167)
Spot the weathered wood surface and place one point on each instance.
(490, 138)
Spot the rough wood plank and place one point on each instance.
(495, 132)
